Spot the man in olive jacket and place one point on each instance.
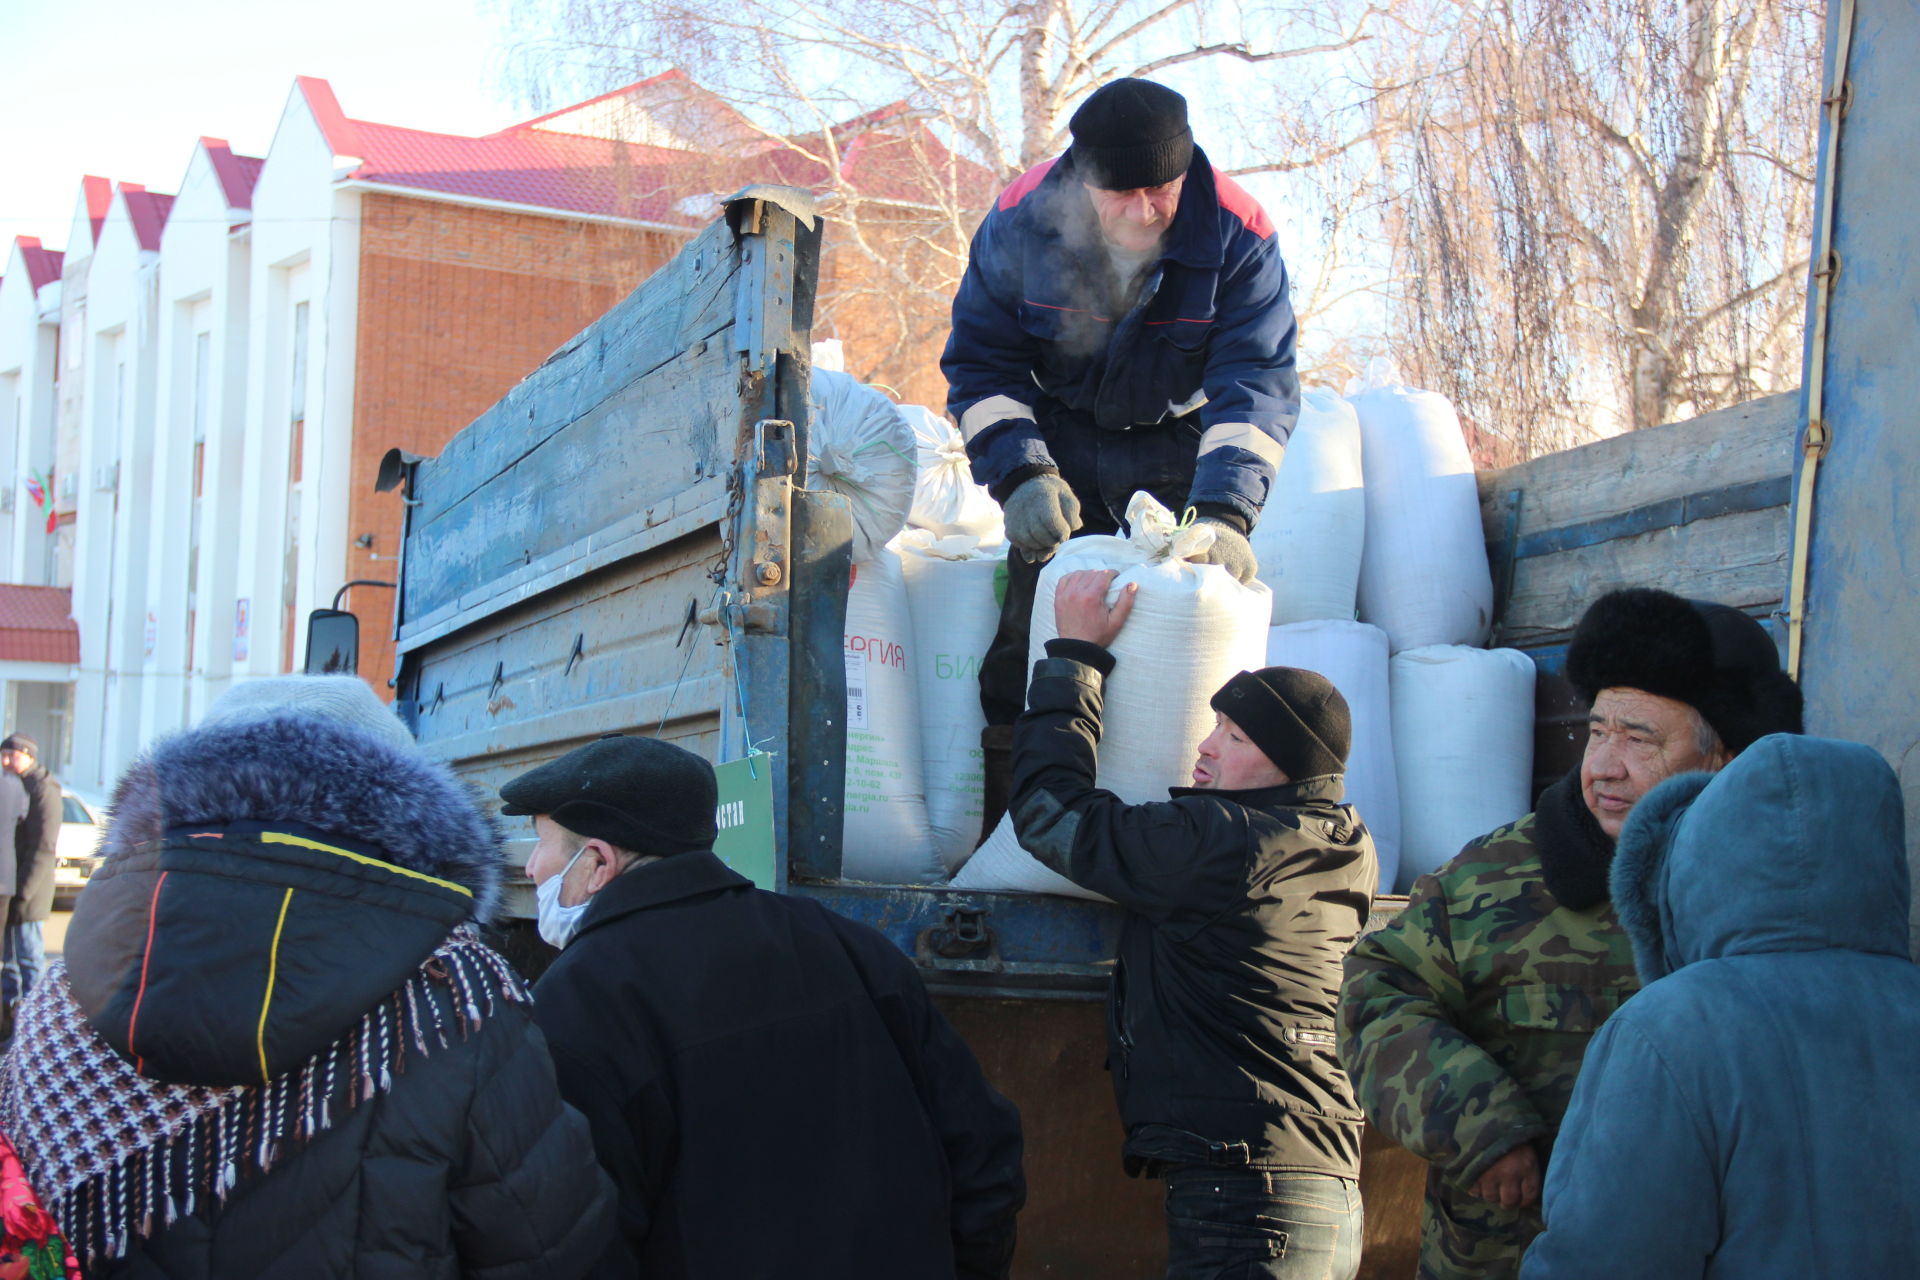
(1464, 1022)
(1242, 893)
(36, 843)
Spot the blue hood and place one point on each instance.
(1798, 845)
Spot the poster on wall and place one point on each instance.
(240, 629)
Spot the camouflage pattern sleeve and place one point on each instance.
(1420, 1079)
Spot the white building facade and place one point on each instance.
(37, 647)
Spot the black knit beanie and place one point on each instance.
(1710, 656)
(1131, 134)
(1297, 719)
(638, 794)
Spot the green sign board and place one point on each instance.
(745, 817)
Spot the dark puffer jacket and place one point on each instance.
(1240, 905)
(276, 904)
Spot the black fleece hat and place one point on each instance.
(21, 742)
(1131, 133)
(1710, 656)
(639, 794)
(1297, 719)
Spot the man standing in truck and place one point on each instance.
(1464, 1022)
(1123, 325)
(767, 1082)
(1242, 893)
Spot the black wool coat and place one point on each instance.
(1240, 906)
(772, 1090)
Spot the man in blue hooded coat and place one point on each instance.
(1751, 1112)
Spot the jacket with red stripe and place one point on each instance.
(1037, 361)
(270, 928)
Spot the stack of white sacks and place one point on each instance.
(1374, 510)
(1462, 715)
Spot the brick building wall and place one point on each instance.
(457, 304)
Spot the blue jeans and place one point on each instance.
(1245, 1224)
(23, 958)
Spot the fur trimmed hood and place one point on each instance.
(304, 770)
(265, 883)
(1798, 845)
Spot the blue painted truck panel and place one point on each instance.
(619, 545)
(1862, 617)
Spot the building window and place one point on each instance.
(299, 399)
(297, 448)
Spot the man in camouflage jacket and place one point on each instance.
(1464, 1021)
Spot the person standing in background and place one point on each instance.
(35, 840)
(13, 809)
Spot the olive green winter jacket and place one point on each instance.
(1462, 1026)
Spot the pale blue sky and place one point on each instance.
(123, 88)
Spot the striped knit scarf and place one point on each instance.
(116, 1156)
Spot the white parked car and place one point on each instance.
(81, 826)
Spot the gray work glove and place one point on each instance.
(1230, 549)
(1041, 514)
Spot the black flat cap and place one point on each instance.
(639, 794)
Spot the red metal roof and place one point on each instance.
(99, 196)
(885, 154)
(532, 167)
(237, 174)
(147, 210)
(43, 265)
(671, 88)
(36, 625)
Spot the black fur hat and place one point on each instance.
(1710, 656)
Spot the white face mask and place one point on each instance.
(557, 923)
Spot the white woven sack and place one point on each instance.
(1423, 572)
(859, 446)
(1354, 656)
(1463, 748)
(946, 501)
(1309, 537)
(950, 593)
(886, 838)
(1191, 630)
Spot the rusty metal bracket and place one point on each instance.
(962, 934)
